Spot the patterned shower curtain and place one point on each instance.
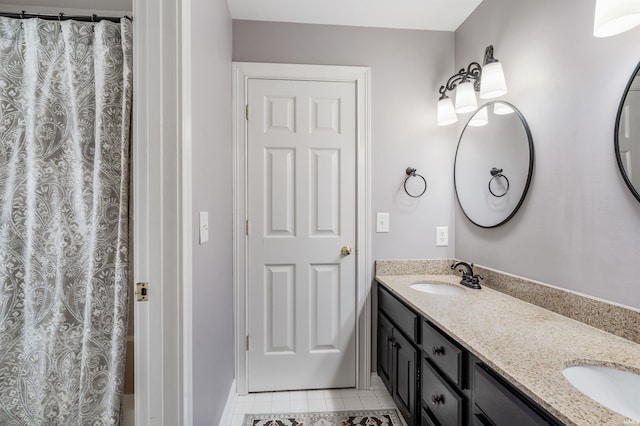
(65, 107)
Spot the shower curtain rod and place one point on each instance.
(62, 17)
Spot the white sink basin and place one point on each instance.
(615, 389)
(437, 288)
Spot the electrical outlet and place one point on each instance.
(382, 222)
(442, 236)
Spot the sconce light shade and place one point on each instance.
(466, 98)
(615, 16)
(446, 112)
(500, 108)
(488, 80)
(480, 118)
(492, 83)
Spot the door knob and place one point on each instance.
(346, 250)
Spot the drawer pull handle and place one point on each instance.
(438, 351)
(437, 399)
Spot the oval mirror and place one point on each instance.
(493, 165)
(627, 134)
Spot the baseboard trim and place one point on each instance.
(376, 381)
(227, 414)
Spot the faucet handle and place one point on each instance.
(464, 272)
(475, 280)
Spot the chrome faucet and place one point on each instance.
(469, 279)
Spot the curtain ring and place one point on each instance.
(495, 174)
(411, 172)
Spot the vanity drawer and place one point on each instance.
(498, 405)
(441, 400)
(445, 354)
(403, 317)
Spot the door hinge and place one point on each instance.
(247, 344)
(246, 227)
(246, 112)
(142, 292)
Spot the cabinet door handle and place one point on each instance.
(395, 344)
(437, 399)
(438, 351)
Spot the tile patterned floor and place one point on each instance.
(313, 401)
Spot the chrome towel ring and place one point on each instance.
(411, 172)
(495, 175)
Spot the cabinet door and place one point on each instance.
(404, 377)
(385, 353)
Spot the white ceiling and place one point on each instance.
(439, 15)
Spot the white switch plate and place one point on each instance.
(204, 227)
(382, 222)
(442, 236)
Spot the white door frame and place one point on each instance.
(361, 76)
(161, 167)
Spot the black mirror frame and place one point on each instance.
(616, 136)
(529, 174)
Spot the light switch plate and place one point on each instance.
(442, 236)
(204, 227)
(382, 222)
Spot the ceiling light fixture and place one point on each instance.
(488, 80)
(615, 16)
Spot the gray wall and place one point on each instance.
(407, 68)
(580, 226)
(213, 359)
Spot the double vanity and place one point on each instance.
(515, 352)
(452, 355)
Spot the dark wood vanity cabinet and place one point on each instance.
(398, 354)
(442, 403)
(445, 385)
(497, 402)
(436, 382)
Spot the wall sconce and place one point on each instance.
(615, 16)
(488, 80)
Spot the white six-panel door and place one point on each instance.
(301, 204)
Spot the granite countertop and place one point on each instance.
(528, 345)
